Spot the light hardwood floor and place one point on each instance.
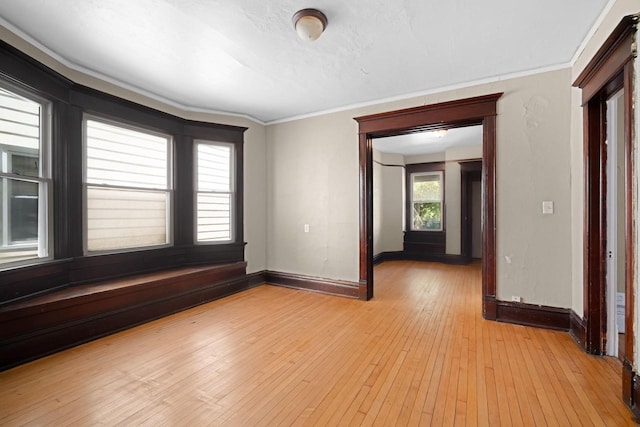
(419, 353)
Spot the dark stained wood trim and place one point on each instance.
(578, 329)
(461, 112)
(472, 111)
(21, 282)
(256, 279)
(470, 171)
(365, 148)
(417, 168)
(315, 284)
(533, 315)
(609, 60)
(388, 256)
(489, 261)
(630, 223)
(82, 313)
(630, 388)
(595, 226)
(426, 257)
(489, 307)
(25, 71)
(609, 71)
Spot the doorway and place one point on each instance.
(610, 72)
(615, 225)
(471, 111)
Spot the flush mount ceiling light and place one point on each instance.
(436, 133)
(309, 23)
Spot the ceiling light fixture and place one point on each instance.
(436, 133)
(309, 23)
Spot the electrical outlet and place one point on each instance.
(306, 228)
(516, 298)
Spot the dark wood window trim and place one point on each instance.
(472, 111)
(411, 169)
(610, 70)
(70, 102)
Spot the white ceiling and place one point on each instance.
(244, 57)
(427, 142)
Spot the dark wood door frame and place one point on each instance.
(609, 71)
(480, 110)
(470, 171)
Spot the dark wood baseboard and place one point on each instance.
(578, 329)
(316, 284)
(47, 324)
(533, 315)
(417, 256)
(630, 388)
(256, 279)
(388, 256)
(489, 308)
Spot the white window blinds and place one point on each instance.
(214, 191)
(128, 187)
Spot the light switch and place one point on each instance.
(306, 228)
(547, 208)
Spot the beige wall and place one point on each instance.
(311, 167)
(532, 165)
(388, 202)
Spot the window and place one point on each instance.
(128, 191)
(215, 191)
(426, 201)
(24, 177)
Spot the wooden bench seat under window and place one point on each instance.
(44, 324)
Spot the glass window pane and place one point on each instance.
(426, 187)
(24, 165)
(119, 219)
(427, 216)
(214, 217)
(23, 211)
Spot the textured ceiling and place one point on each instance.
(244, 57)
(428, 142)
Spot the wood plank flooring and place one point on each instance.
(419, 353)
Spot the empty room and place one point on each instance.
(333, 213)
